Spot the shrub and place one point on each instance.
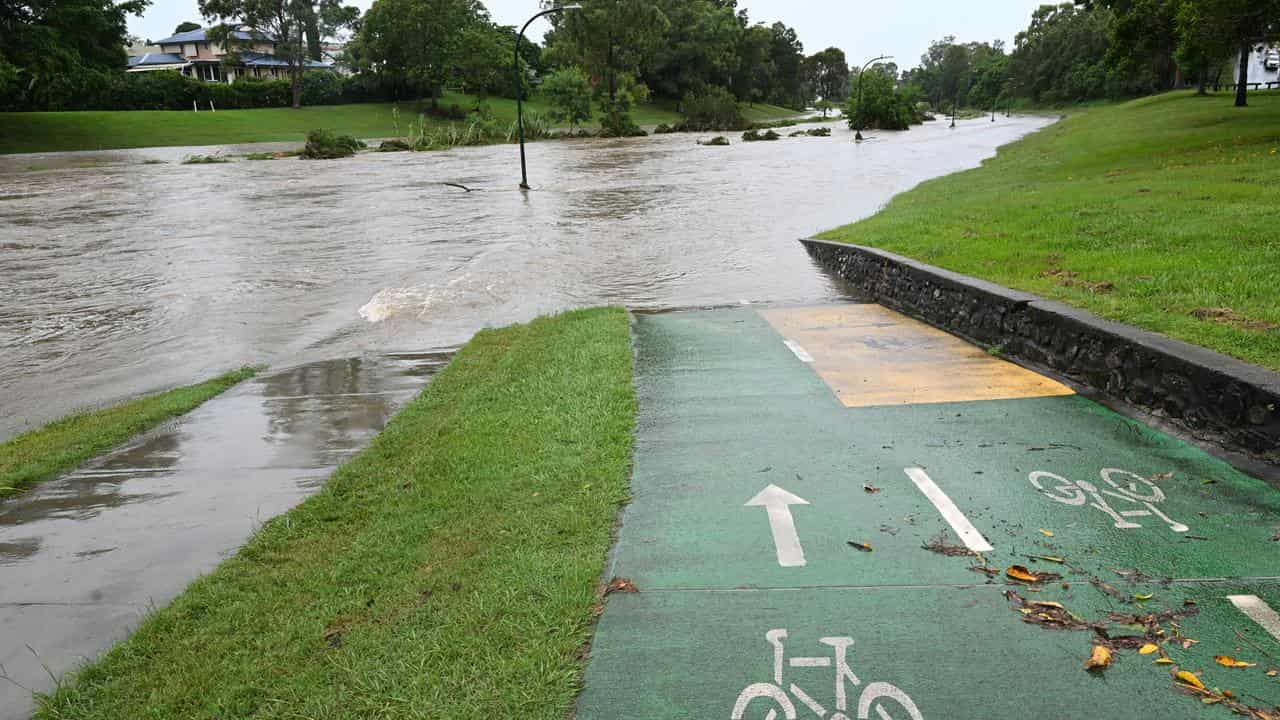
(715, 108)
(882, 105)
(321, 87)
(569, 92)
(757, 136)
(663, 129)
(325, 145)
(205, 160)
(718, 141)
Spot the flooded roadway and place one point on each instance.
(123, 278)
(126, 277)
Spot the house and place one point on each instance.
(193, 54)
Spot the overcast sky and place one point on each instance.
(862, 28)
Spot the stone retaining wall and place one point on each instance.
(1209, 395)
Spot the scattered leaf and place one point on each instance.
(1143, 598)
(1046, 533)
(621, 585)
(1048, 558)
(1228, 661)
(1163, 661)
(1158, 477)
(1187, 678)
(1099, 660)
(864, 547)
(940, 545)
(871, 489)
(1188, 642)
(1273, 672)
(1148, 649)
(1021, 574)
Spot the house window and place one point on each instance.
(189, 50)
(210, 73)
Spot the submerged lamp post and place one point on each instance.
(857, 136)
(524, 172)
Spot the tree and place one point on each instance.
(1061, 56)
(828, 72)
(52, 50)
(609, 38)
(1219, 26)
(786, 54)
(699, 48)
(283, 21)
(187, 26)
(569, 92)
(1144, 41)
(413, 45)
(876, 102)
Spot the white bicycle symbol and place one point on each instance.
(1139, 490)
(874, 697)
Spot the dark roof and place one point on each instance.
(201, 35)
(156, 59)
(263, 60)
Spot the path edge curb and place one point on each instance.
(1212, 397)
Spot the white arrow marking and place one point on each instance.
(1258, 611)
(969, 534)
(798, 350)
(778, 502)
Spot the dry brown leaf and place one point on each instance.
(1187, 678)
(1228, 661)
(1099, 660)
(871, 489)
(1148, 649)
(621, 585)
(1021, 574)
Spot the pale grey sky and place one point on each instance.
(862, 28)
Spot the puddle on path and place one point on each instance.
(84, 556)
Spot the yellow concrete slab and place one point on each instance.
(870, 355)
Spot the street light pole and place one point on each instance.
(858, 135)
(524, 171)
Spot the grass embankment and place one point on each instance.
(65, 444)
(58, 131)
(1160, 213)
(448, 571)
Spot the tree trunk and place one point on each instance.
(1242, 81)
(1202, 82)
(295, 84)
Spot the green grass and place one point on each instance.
(65, 444)
(1161, 213)
(450, 570)
(58, 131)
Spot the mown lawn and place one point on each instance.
(450, 570)
(65, 444)
(1161, 213)
(57, 131)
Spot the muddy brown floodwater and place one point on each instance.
(123, 278)
(354, 279)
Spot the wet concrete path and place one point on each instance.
(770, 443)
(83, 557)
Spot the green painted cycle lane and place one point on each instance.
(750, 480)
(727, 411)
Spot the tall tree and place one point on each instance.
(610, 38)
(413, 45)
(1219, 26)
(699, 48)
(828, 72)
(786, 53)
(48, 48)
(1061, 56)
(284, 22)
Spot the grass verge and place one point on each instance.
(65, 444)
(101, 130)
(1160, 213)
(450, 570)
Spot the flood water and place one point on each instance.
(120, 277)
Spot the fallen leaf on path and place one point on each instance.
(1148, 649)
(1046, 533)
(1021, 574)
(1187, 678)
(1047, 558)
(621, 585)
(940, 545)
(1188, 642)
(1163, 661)
(1143, 598)
(871, 488)
(1273, 672)
(1228, 661)
(1158, 477)
(1099, 660)
(864, 547)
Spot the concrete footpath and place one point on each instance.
(829, 504)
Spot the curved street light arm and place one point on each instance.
(524, 172)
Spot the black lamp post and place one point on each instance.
(524, 172)
(858, 135)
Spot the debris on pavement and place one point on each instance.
(621, 585)
(1023, 575)
(940, 545)
(864, 547)
(1100, 659)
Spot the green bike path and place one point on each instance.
(758, 463)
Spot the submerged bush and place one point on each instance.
(325, 145)
(757, 136)
(715, 108)
(205, 160)
(718, 141)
